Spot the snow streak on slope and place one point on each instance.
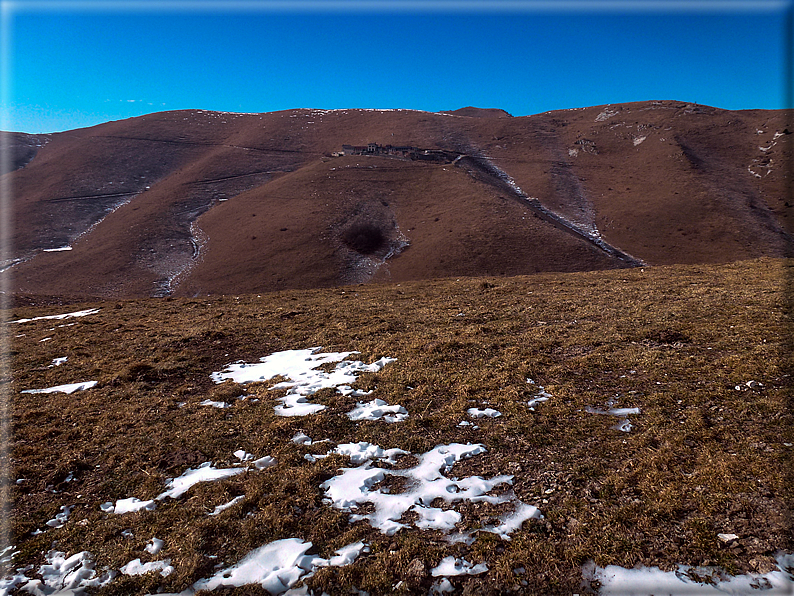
(485, 167)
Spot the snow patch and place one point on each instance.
(363, 451)
(69, 388)
(66, 575)
(219, 508)
(215, 404)
(651, 580)
(155, 546)
(60, 518)
(378, 409)
(486, 413)
(135, 567)
(625, 424)
(453, 566)
(68, 315)
(278, 566)
(353, 488)
(300, 367)
(127, 506)
(204, 473)
(606, 114)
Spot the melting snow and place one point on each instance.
(154, 546)
(66, 575)
(299, 366)
(278, 566)
(127, 506)
(218, 509)
(62, 248)
(60, 519)
(79, 313)
(301, 439)
(539, 397)
(204, 473)
(363, 451)
(135, 567)
(452, 566)
(486, 413)
(640, 582)
(426, 482)
(215, 404)
(264, 462)
(243, 455)
(624, 425)
(444, 586)
(59, 361)
(606, 114)
(70, 388)
(378, 409)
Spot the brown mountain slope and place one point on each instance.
(194, 202)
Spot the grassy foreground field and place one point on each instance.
(700, 350)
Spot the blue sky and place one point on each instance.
(73, 64)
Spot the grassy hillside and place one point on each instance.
(698, 349)
(195, 203)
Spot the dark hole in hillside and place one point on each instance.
(365, 238)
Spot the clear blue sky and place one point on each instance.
(74, 64)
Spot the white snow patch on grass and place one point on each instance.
(625, 424)
(69, 388)
(539, 397)
(204, 473)
(128, 506)
(651, 580)
(425, 482)
(67, 575)
(79, 313)
(264, 462)
(486, 413)
(59, 361)
(215, 404)
(443, 586)
(155, 546)
(243, 455)
(301, 439)
(135, 567)
(363, 451)
(453, 566)
(606, 114)
(219, 508)
(60, 249)
(300, 367)
(378, 409)
(60, 518)
(278, 566)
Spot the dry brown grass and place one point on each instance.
(703, 457)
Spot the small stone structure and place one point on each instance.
(404, 151)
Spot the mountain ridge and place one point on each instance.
(191, 202)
